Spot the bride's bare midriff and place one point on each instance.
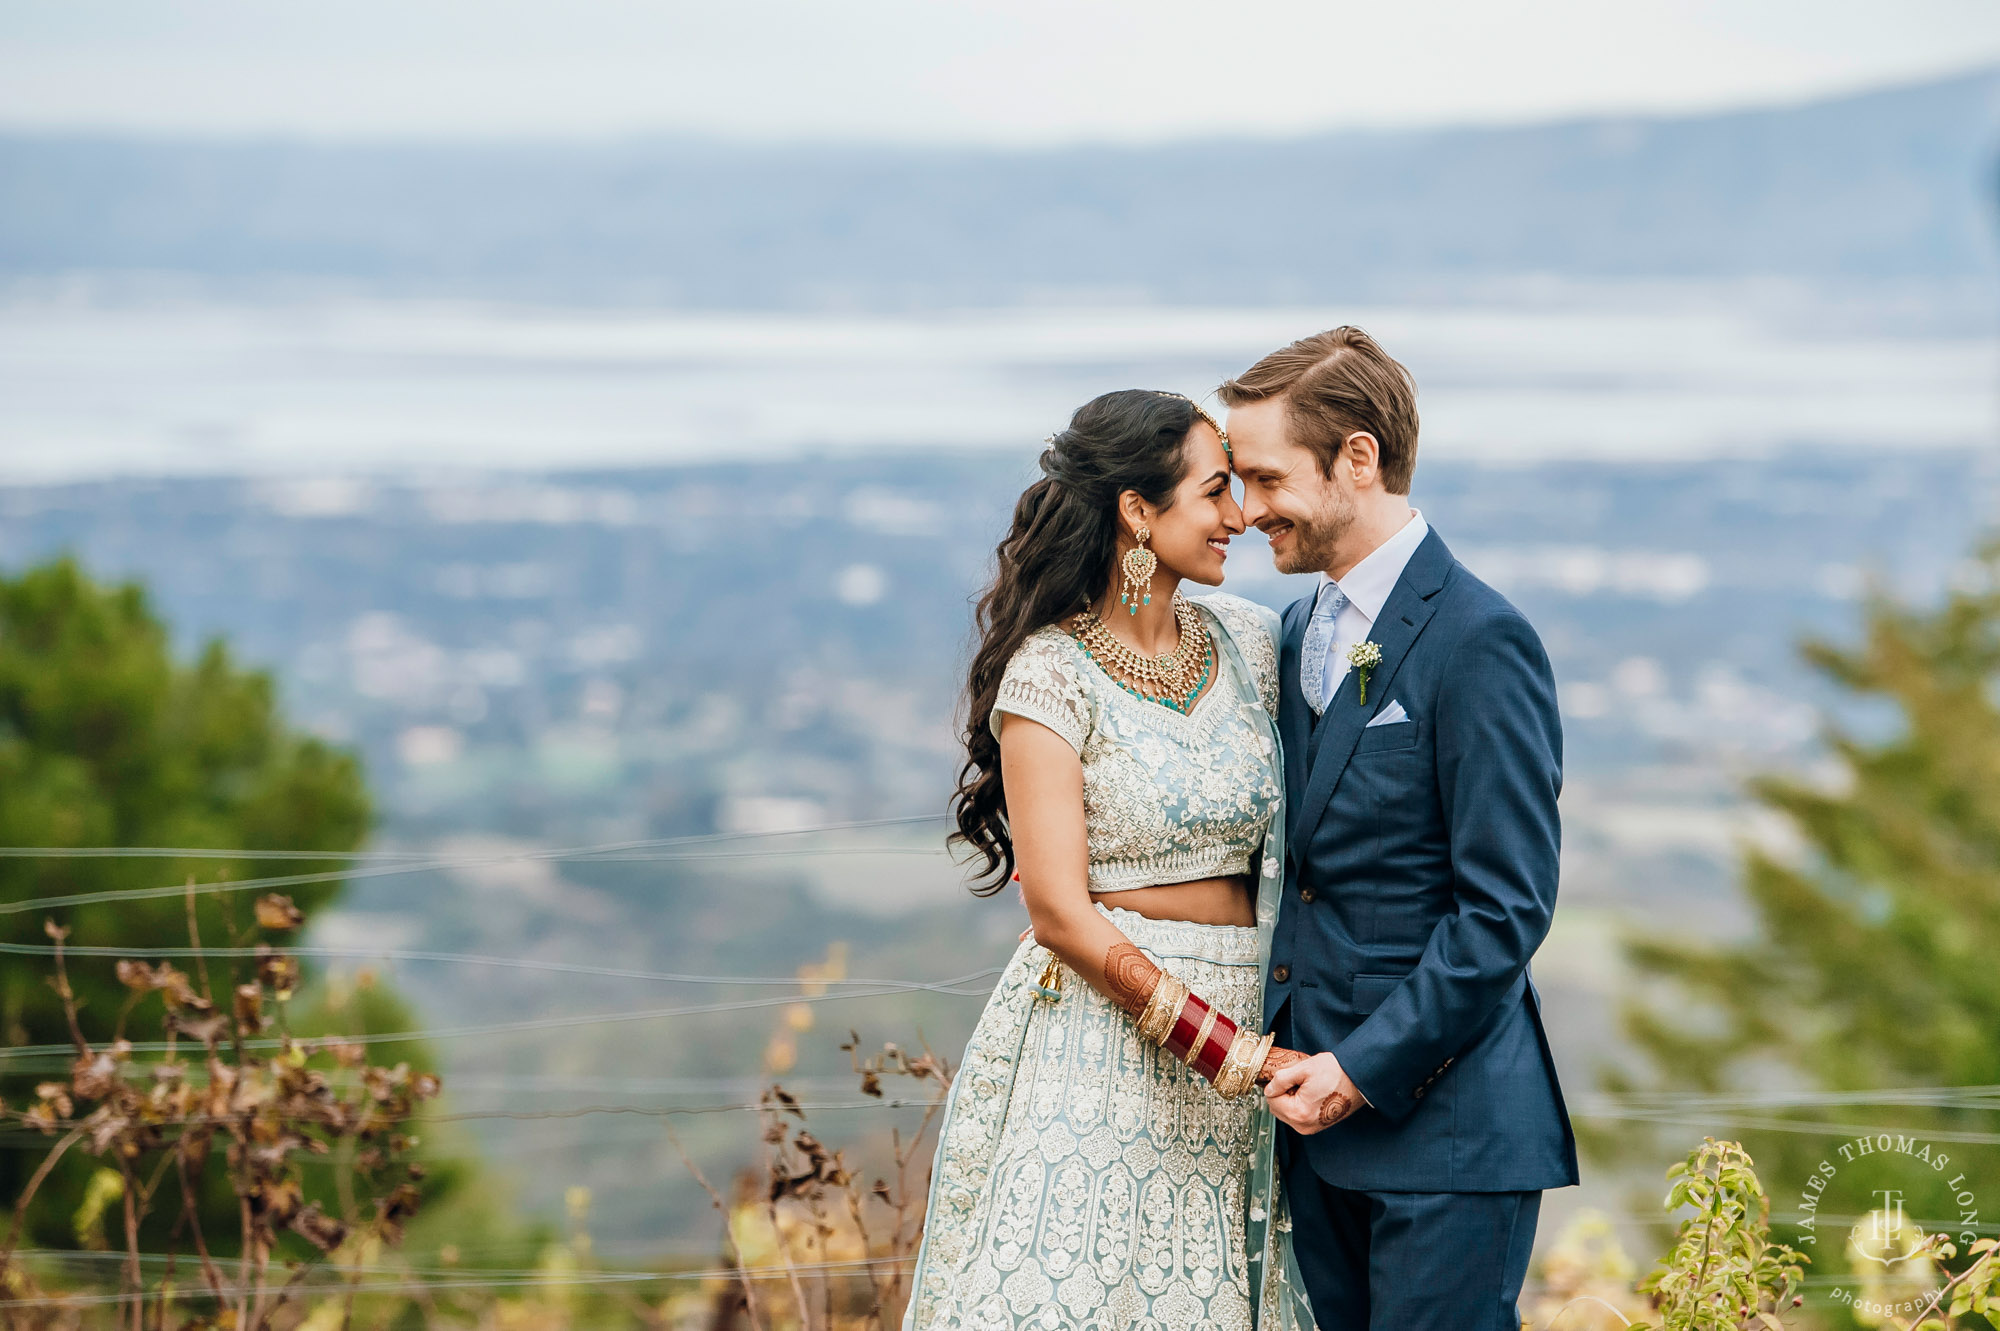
(1205, 901)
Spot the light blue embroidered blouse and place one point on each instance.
(1167, 797)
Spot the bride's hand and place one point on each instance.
(1276, 1061)
(1312, 1093)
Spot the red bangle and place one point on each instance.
(1209, 1061)
(1196, 1013)
(1187, 1026)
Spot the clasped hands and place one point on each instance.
(1311, 1092)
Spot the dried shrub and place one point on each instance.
(814, 1244)
(222, 1097)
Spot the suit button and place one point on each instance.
(1281, 973)
(1306, 894)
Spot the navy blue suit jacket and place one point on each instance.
(1421, 877)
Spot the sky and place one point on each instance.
(1025, 72)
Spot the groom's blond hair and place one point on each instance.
(1337, 383)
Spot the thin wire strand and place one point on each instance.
(435, 863)
(231, 853)
(112, 1256)
(478, 1281)
(1797, 1127)
(23, 1132)
(478, 959)
(949, 988)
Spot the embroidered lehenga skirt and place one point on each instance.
(1084, 1178)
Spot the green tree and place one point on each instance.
(107, 741)
(1875, 963)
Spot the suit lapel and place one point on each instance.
(1404, 615)
(1294, 715)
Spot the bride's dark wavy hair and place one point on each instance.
(1056, 561)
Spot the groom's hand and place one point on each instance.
(1313, 1094)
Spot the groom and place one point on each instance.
(1423, 756)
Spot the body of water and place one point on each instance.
(324, 385)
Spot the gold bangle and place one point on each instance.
(1201, 1036)
(1170, 1015)
(1263, 1052)
(1163, 1009)
(1235, 1075)
(1149, 1014)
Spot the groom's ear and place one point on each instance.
(1363, 454)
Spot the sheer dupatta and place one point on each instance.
(1281, 1293)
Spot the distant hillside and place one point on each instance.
(1891, 185)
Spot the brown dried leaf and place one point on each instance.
(221, 1085)
(106, 1128)
(177, 990)
(135, 975)
(275, 911)
(55, 1095)
(205, 1026)
(250, 1008)
(394, 1210)
(278, 971)
(277, 1201)
(95, 1076)
(318, 1228)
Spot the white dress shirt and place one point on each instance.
(1367, 587)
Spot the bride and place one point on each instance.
(1100, 1165)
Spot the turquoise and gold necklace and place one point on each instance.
(1172, 679)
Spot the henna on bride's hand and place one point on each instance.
(1334, 1108)
(1129, 979)
(1276, 1061)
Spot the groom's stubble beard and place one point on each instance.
(1315, 539)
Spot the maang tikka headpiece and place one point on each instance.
(1202, 413)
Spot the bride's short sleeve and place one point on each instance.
(1042, 683)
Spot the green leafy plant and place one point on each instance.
(1975, 1291)
(1877, 919)
(110, 738)
(1723, 1272)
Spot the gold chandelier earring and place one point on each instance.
(1138, 564)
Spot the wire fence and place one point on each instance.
(651, 850)
(459, 1279)
(1802, 1112)
(1748, 1109)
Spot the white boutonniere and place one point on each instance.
(1364, 657)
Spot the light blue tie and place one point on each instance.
(1319, 641)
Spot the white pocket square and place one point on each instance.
(1388, 716)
